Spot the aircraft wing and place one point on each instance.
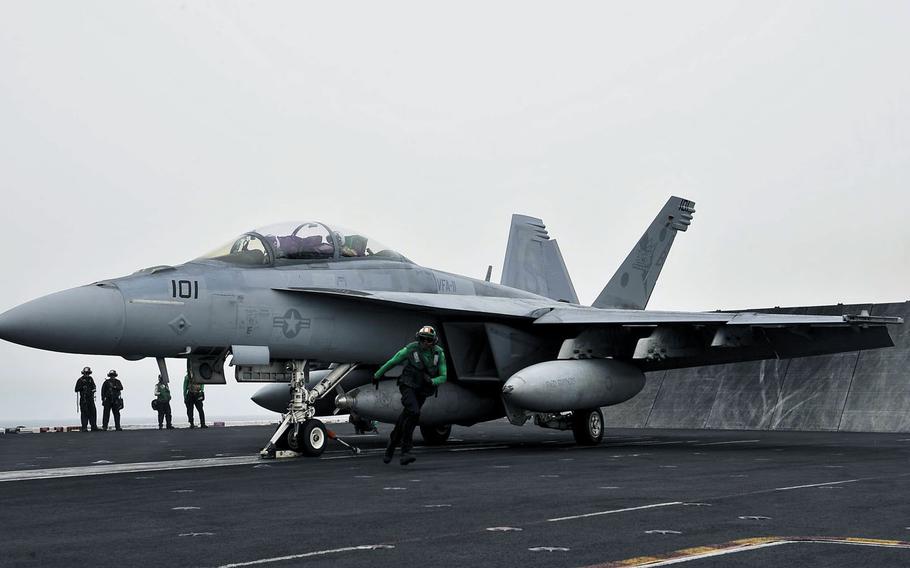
(439, 304)
(652, 340)
(587, 316)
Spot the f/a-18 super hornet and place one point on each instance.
(278, 298)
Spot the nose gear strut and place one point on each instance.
(304, 433)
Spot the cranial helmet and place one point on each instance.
(427, 332)
(113, 373)
(86, 370)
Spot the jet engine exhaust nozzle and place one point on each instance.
(344, 402)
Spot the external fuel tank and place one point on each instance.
(573, 384)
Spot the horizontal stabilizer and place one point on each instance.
(631, 286)
(534, 262)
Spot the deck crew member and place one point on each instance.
(111, 400)
(85, 386)
(424, 370)
(193, 395)
(163, 403)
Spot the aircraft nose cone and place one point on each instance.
(88, 319)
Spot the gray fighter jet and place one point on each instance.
(282, 296)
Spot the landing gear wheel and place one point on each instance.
(307, 438)
(588, 426)
(436, 435)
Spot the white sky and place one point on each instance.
(142, 133)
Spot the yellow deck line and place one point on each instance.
(743, 545)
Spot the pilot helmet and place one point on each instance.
(112, 373)
(428, 333)
(86, 370)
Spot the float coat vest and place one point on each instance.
(420, 367)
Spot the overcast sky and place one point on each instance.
(141, 133)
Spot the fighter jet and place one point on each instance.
(280, 297)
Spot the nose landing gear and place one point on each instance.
(299, 430)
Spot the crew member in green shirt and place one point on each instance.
(193, 395)
(424, 370)
(163, 403)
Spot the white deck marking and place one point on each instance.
(110, 469)
(549, 549)
(816, 485)
(309, 554)
(730, 442)
(611, 512)
(504, 529)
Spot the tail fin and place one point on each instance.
(633, 283)
(533, 262)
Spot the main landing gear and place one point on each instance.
(587, 425)
(436, 435)
(300, 431)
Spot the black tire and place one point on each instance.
(588, 426)
(436, 435)
(308, 438)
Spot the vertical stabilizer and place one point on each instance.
(633, 283)
(534, 263)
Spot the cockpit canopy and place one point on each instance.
(292, 243)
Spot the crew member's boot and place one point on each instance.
(389, 452)
(407, 437)
(394, 438)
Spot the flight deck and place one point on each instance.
(496, 495)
